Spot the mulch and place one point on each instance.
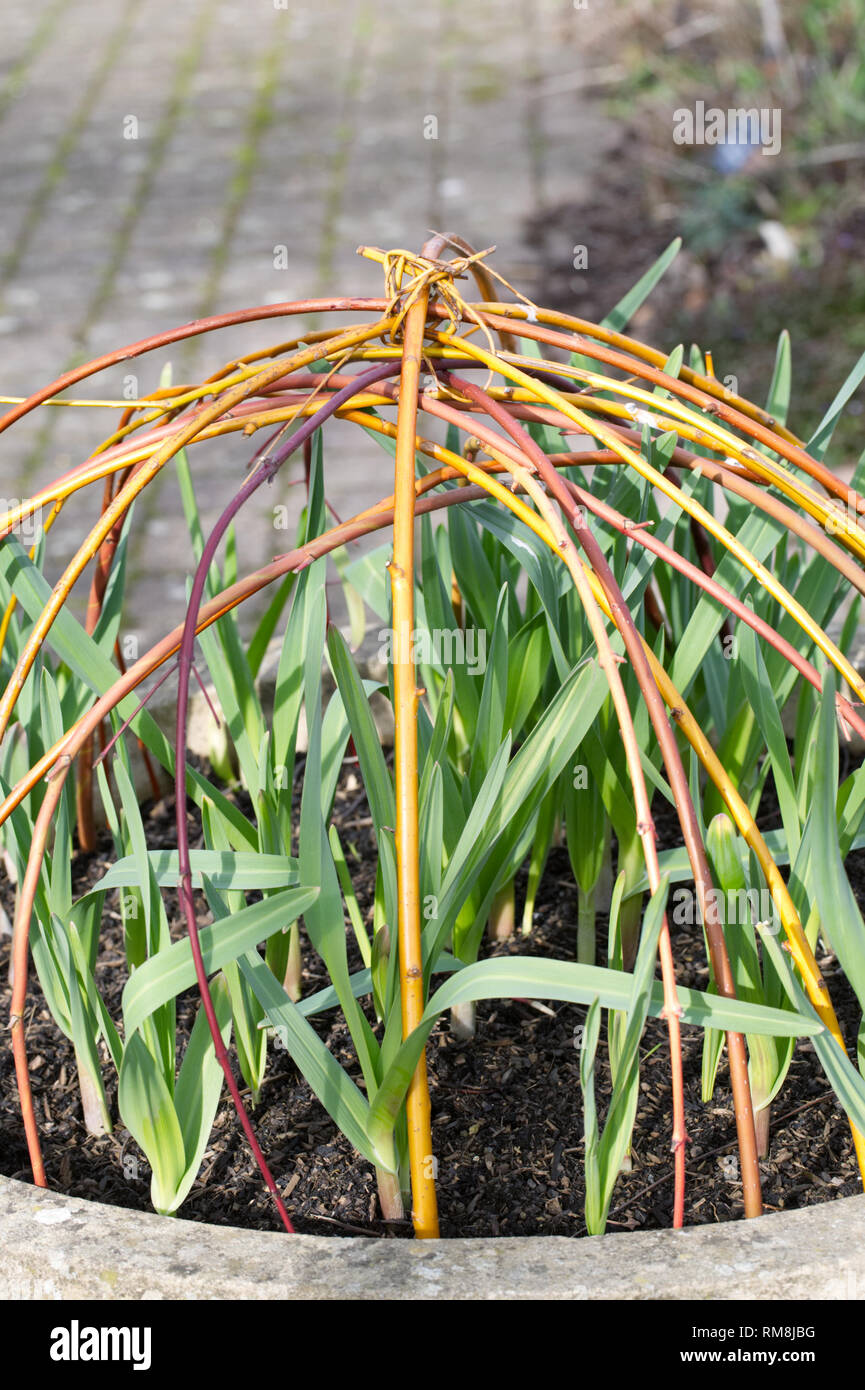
(506, 1107)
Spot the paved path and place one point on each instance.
(153, 156)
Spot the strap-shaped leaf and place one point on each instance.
(496, 833)
(148, 1112)
(778, 402)
(199, 1085)
(376, 777)
(166, 975)
(847, 1083)
(227, 869)
(68, 639)
(324, 918)
(822, 872)
(822, 436)
(610, 1149)
(335, 1089)
(628, 305)
(524, 977)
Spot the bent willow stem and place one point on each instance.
(687, 815)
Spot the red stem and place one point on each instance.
(687, 816)
(264, 474)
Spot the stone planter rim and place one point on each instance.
(58, 1247)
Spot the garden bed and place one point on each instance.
(507, 1108)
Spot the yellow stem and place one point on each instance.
(401, 569)
(714, 436)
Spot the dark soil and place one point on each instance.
(507, 1109)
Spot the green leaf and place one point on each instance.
(628, 305)
(821, 438)
(303, 641)
(173, 970)
(51, 967)
(379, 969)
(769, 1056)
(85, 1036)
(491, 715)
(241, 832)
(545, 829)
(758, 690)
(473, 845)
(353, 598)
(324, 918)
(58, 957)
(525, 977)
(72, 644)
(623, 1106)
(594, 1200)
(438, 739)
(148, 1112)
(671, 367)
(199, 1085)
(367, 574)
(475, 577)
(376, 777)
(529, 655)
(335, 1089)
(823, 872)
(108, 623)
(227, 869)
(501, 835)
(232, 681)
(536, 559)
(101, 1020)
(250, 1041)
(585, 824)
(778, 403)
(193, 521)
(147, 934)
(759, 534)
(267, 625)
(350, 896)
(846, 1082)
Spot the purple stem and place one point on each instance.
(125, 725)
(203, 688)
(184, 666)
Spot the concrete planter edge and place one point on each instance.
(63, 1248)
